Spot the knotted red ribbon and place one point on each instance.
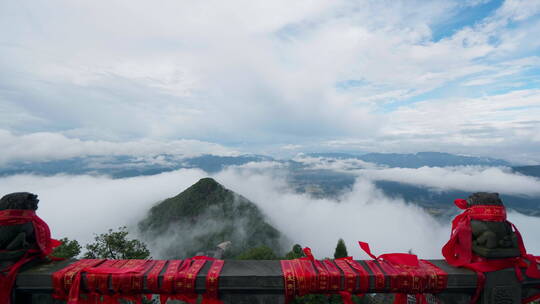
(458, 250)
(126, 279)
(310, 276)
(45, 245)
(405, 274)
(123, 274)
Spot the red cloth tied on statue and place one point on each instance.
(45, 245)
(405, 274)
(458, 250)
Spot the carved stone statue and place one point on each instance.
(492, 239)
(16, 239)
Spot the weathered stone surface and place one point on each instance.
(501, 287)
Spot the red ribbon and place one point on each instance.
(117, 271)
(45, 245)
(212, 283)
(405, 274)
(324, 276)
(152, 278)
(98, 283)
(309, 276)
(185, 281)
(380, 284)
(402, 273)
(126, 278)
(169, 277)
(289, 278)
(351, 278)
(363, 275)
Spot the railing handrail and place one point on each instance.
(264, 277)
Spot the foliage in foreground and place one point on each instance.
(295, 253)
(68, 249)
(341, 250)
(258, 253)
(116, 245)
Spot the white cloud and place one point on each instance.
(503, 126)
(52, 146)
(79, 206)
(291, 147)
(364, 214)
(462, 178)
(330, 163)
(256, 72)
(528, 227)
(468, 178)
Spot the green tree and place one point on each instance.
(68, 249)
(341, 250)
(295, 253)
(116, 245)
(258, 253)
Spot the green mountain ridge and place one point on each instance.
(201, 217)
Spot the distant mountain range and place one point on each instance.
(417, 160)
(528, 170)
(128, 166)
(203, 216)
(300, 174)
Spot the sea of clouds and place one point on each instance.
(80, 206)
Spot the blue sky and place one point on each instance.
(276, 77)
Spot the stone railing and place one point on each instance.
(257, 282)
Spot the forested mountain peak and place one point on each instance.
(204, 215)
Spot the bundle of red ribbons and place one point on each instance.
(398, 273)
(107, 281)
(44, 246)
(458, 250)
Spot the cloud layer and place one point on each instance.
(51, 146)
(470, 179)
(80, 206)
(463, 178)
(447, 75)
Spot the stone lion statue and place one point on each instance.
(17, 239)
(492, 239)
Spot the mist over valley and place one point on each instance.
(310, 199)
